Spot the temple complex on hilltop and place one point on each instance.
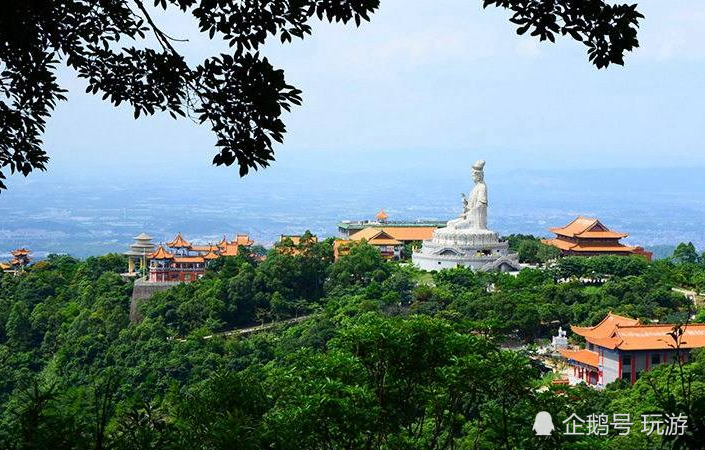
(390, 241)
(20, 260)
(622, 348)
(347, 228)
(178, 260)
(586, 236)
(187, 262)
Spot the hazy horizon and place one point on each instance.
(394, 114)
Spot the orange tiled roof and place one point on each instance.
(178, 242)
(243, 239)
(375, 236)
(656, 337)
(605, 328)
(587, 357)
(20, 252)
(230, 250)
(223, 242)
(211, 255)
(189, 259)
(367, 233)
(201, 248)
(587, 227)
(15, 262)
(410, 233)
(160, 253)
(381, 215)
(575, 247)
(4, 266)
(617, 332)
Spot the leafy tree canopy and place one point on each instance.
(239, 95)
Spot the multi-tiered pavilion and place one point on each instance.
(20, 260)
(138, 253)
(587, 236)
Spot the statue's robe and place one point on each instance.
(477, 207)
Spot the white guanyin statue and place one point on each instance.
(466, 241)
(474, 215)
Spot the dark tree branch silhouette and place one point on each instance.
(240, 95)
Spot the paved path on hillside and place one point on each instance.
(252, 330)
(697, 298)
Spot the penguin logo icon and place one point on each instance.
(543, 424)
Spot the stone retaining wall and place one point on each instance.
(143, 290)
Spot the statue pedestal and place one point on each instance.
(478, 249)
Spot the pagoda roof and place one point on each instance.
(587, 357)
(143, 237)
(381, 215)
(4, 266)
(223, 242)
(211, 255)
(587, 227)
(624, 333)
(178, 242)
(20, 252)
(161, 254)
(605, 328)
(579, 248)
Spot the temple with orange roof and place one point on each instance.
(587, 236)
(389, 241)
(347, 228)
(182, 261)
(623, 348)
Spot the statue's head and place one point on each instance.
(478, 170)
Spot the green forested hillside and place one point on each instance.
(387, 359)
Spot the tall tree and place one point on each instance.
(240, 95)
(685, 253)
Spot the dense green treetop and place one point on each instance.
(389, 358)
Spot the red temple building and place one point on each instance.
(587, 236)
(187, 262)
(622, 348)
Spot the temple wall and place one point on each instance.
(610, 366)
(143, 290)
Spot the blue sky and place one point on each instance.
(429, 82)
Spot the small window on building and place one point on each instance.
(627, 360)
(655, 360)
